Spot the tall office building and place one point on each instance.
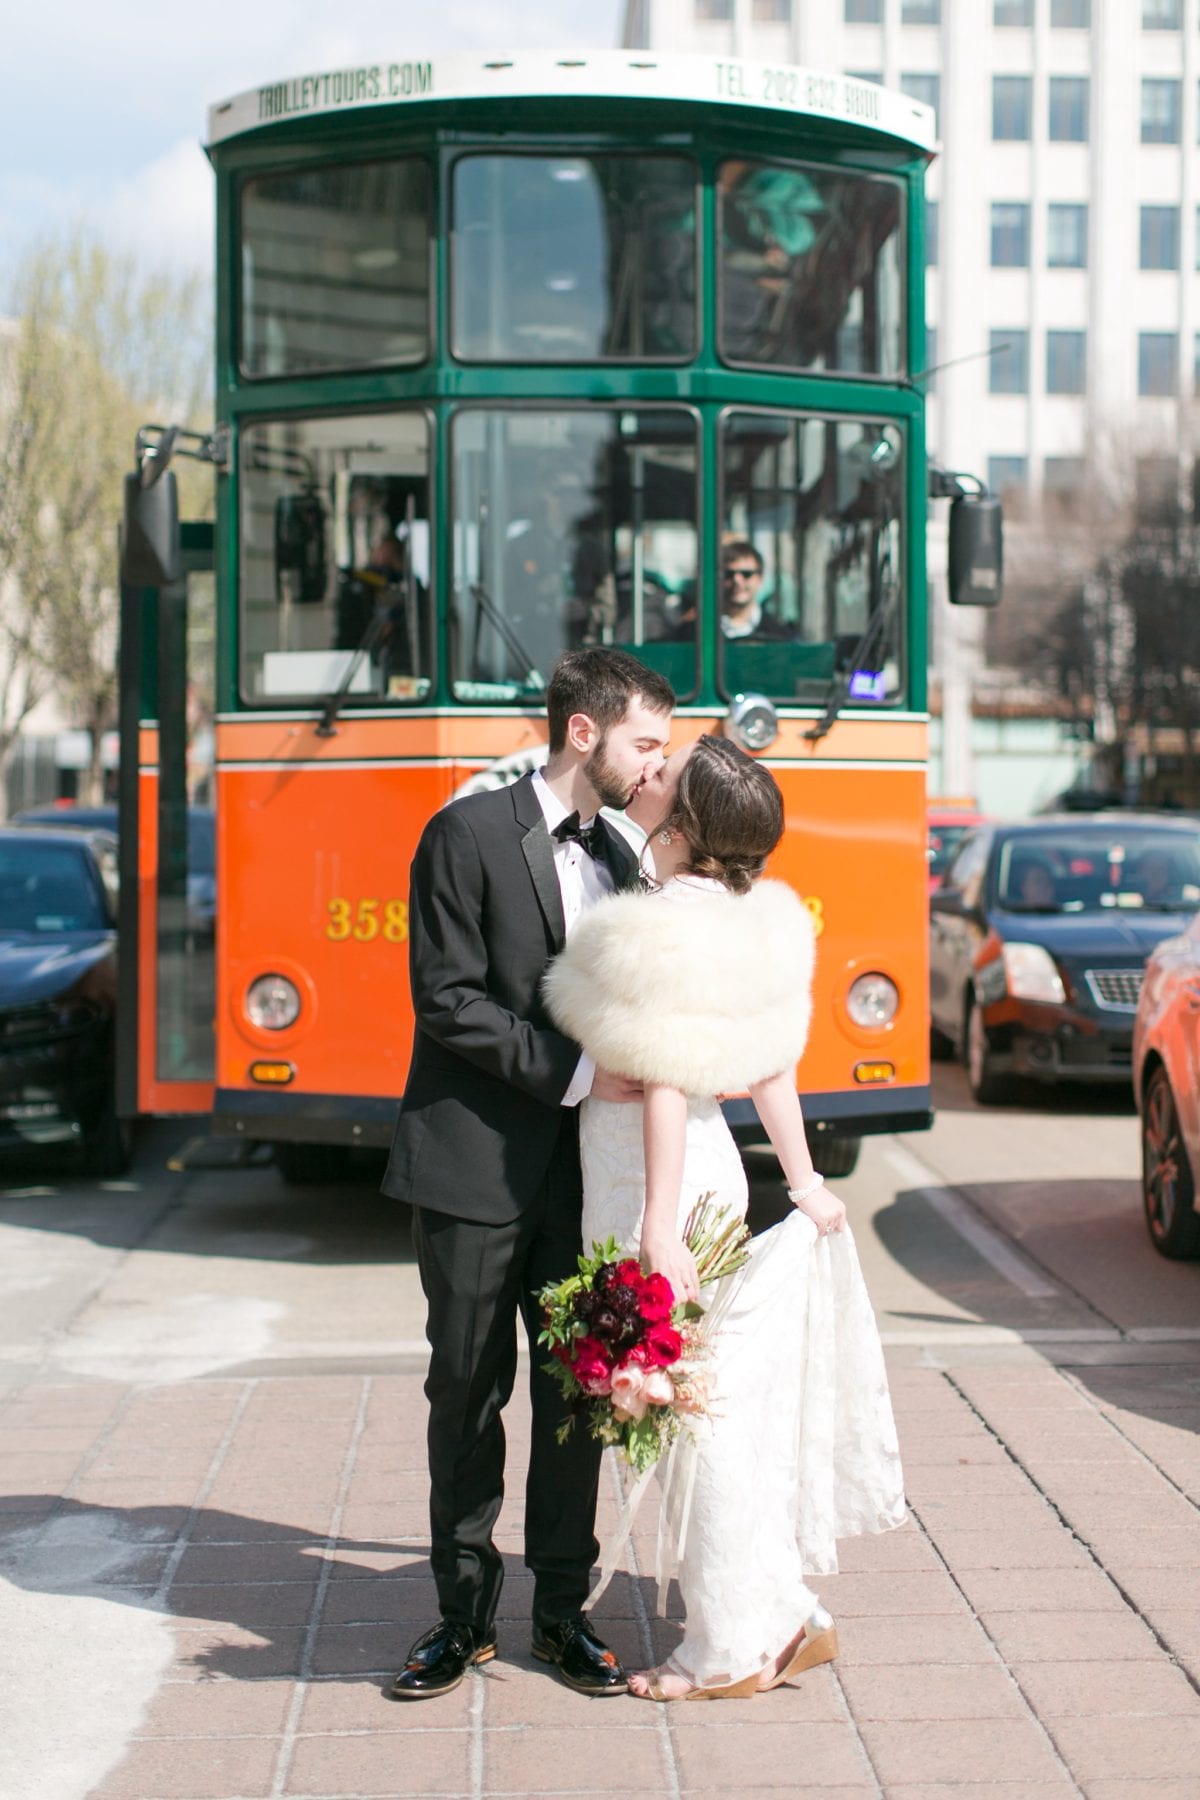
(1064, 246)
(1065, 219)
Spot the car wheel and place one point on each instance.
(312, 1165)
(106, 1151)
(835, 1155)
(1168, 1190)
(987, 1087)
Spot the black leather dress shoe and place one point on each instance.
(438, 1661)
(584, 1663)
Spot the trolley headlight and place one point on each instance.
(873, 999)
(1030, 974)
(272, 1003)
(753, 722)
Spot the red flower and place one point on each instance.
(591, 1366)
(656, 1299)
(628, 1274)
(663, 1345)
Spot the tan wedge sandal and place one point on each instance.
(737, 1690)
(816, 1644)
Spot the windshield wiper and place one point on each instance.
(487, 609)
(378, 627)
(841, 683)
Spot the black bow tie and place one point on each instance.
(588, 837)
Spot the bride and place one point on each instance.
(698, 989)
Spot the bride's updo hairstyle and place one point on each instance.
(730, 810)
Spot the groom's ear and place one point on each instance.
(582, 733)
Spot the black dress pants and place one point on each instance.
(477, 1280)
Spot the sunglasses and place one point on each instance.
(742, 574)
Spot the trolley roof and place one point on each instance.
(599, 74)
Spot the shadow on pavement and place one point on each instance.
(230, 1212)
(260, 1578)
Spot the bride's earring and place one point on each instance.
(666, 837)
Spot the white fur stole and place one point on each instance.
(699, 989)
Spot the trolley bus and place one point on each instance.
(515, 355)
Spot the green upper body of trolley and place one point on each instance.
(513, 353)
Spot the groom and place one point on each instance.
(486, 1151)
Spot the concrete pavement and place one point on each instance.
(209, 1580)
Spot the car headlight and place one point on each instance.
(1030, 974)
(272, 1003)
(873, 999)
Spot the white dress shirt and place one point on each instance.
(581, 882)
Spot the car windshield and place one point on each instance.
(943, 842)
(1136, 869)
(46, 887)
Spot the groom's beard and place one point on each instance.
(607, 785)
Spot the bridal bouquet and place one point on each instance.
(630, 1356)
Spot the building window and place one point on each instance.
(1162, 15)
(1066, 362)
(718, 11)
(1066, 236)
(1008, 353)
(1158, 358)
(1012, 12)
(771, 12)
(1159, 238)
(929, 383)
(925, 88)
(875, 75)
(1008, 476)
(931, 234)
(1012, 97)
(1196, 368)
(1160, 110)
(1071, 15)
(1068, 109)
(1063, 479)
(1010, 234)
(864, 12)
(920, 12)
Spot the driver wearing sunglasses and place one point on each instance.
(742, 615)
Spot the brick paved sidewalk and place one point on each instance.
(206, 1584)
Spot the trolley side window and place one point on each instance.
(811, 269)
(335, 579)
(574, 259)
(335, 268)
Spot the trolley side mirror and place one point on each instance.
(976, 572)
(151, 548)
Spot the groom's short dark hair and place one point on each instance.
(601, 683)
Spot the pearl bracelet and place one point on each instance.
(800, 1194)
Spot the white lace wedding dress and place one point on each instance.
(800, 1447)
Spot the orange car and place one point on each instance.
(947, 823)
(1166, 1082)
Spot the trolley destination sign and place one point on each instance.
(778, 87)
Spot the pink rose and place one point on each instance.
(628, 1397)
(658, 1389)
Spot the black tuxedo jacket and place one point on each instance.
(482, 1108)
